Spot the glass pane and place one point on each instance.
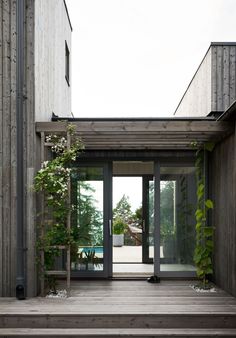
(151, 219)
(127, 222)
(177, 208)
(87, 219)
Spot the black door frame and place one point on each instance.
(106, 162)
(145, 213)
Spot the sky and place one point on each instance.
(135, 58)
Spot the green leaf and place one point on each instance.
(200, 190)
(209, 146)
(209, 204)
(200, 273)
(208, 231)
(209, 244)
(209, 271)
(199, 215)
(198, 225)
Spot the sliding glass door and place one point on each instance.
(90, 255)
(177, 195)
(165, 234)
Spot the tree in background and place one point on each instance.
(89, 220)
(123, 210)
(167, 209)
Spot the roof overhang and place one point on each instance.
(229, 114)
(149, 134)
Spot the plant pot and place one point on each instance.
(80, 266)
(118, 240)
(90, 266)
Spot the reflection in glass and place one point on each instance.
(87, 219)
(151, 219)
(177, 207)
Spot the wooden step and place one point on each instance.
(118, 320)
(114, 333)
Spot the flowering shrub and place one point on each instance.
(52, 180)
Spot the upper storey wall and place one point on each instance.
(52, 33)
(213, 87)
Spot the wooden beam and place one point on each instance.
(138, 126)
(140, 134)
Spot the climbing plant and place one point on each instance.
(52, 180)
(204, 232)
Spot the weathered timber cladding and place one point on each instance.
(196, 100)
(52, 26)
(7, 146)
(223, 76)
(30, 146)
(223, 190)
(213, 87)
(52, 29)
(8, 155)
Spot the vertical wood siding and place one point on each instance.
(7, 147)
(52, 30)
(196, 101)
(223, 76)
(213, 87)
(8, 155)
(223, 189)
(30, 146)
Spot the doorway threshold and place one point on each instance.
(132, 270)
(129, 278)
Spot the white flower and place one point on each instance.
(44, 164)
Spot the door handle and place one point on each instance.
(110, 231)
(144, 225)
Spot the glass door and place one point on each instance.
(177, 221)
(91, 221)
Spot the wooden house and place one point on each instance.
(35, 82)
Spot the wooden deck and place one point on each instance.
(122, 309)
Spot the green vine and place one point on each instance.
(204, 232)
(52, 180)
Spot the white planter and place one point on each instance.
(90, 266)
(118, 240)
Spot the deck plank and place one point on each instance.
(118, 332)
(123, 304)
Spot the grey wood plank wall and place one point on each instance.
(8, 156)
(213, 87)
(223, 190)
(223, 76)
(30, 146)
(39, 34)
(7, 146)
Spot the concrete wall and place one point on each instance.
(52, 29)
(213, 87)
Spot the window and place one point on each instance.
(67, 64)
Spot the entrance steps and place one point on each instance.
(118, 325)
(109, 309)
(114, 333)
